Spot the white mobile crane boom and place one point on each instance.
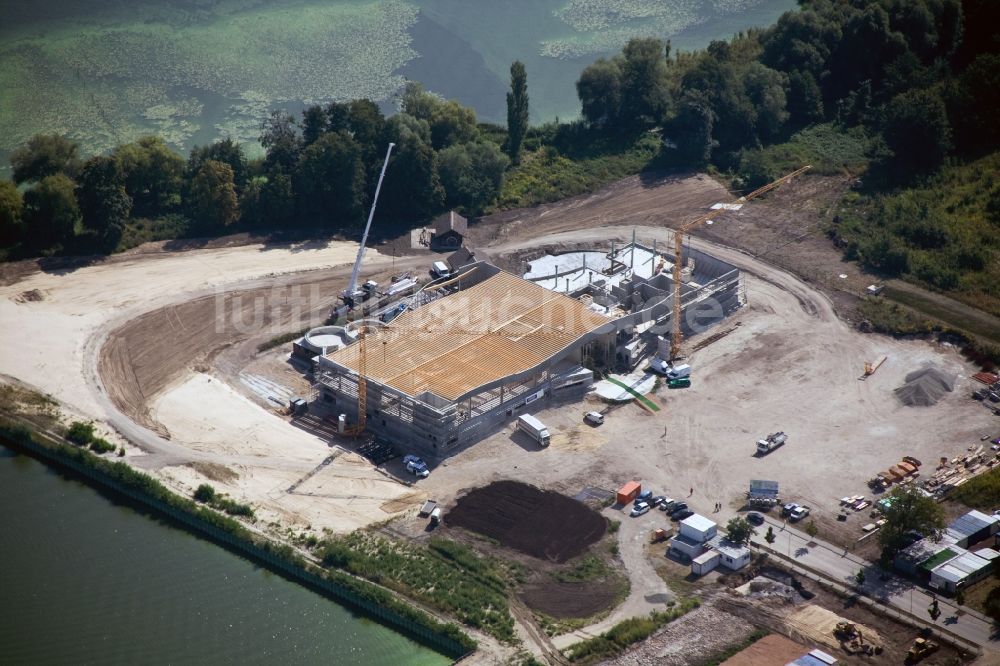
(352, 293)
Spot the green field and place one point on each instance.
(104, 72)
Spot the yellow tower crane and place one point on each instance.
(675, 342)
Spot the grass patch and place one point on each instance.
(445, 575)
(587, 568)
(893, 319)
(980, 492)
(828, 148)
(545, 175)
(940, 233)
(145, 230)
(720, 657)
(616, 640)
(952, 316)
(279, 340)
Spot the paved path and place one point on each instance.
(841, 566)
(648, 592)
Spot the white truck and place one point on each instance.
(534, 428)
(773, 441)
(679, 371)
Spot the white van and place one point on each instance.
(439, 269)
(679, 371)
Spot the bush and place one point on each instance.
(100, 445)
(80, 433)
(205, 493)
(445, 575)
(614, 641)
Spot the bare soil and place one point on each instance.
(541, 523)
(569, 600)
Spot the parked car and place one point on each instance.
(644, 496)
(667, 504)
(755, 518)
(682, 514)
(799, 512)
(594, 418)
(788, 508)
(639, 509)
(416, 466)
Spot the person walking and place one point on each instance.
(691, 492)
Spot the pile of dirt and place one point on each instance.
(925, 387)
(569, 600)
(540, 523)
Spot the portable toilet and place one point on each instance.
(628, 492)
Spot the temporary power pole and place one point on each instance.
(351, 292)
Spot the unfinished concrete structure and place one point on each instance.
(492, 345)
(633, 284)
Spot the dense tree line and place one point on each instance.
(317, 171)
(920, 75)
(919, 80)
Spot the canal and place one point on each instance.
(86, 580)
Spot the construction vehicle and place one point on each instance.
(773, 441)
(352, 294)
(679, 261)
(852, 641)
(922, 647)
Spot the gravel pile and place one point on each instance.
(925, 387)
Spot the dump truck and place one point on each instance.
(773, 441)
(436, 517)
(427, 508)
(534, 428)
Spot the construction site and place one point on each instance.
(488, 346)
(219, 365)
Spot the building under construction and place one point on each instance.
(493, 345)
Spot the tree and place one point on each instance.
(152, 173)
(811, 529)
(769, 536)
(213, 195)
(859, 577)
(268, 201)
(917, 131)
(11, 208)
(51, 211)
(960, 597)
(105, 206)
(766, 89)
(204, 493)
(472, 175)
(992, 604)
(453, 123)
(908, 510)
(226, 151)
(44, 155)
(314, 119)
(330, 179)
(517, 111)
(643, 82)
(600, 91)
(738, 530)
(691, 129)
(412, 187)
(280, 138)
(934, 610)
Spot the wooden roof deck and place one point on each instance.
(500, 327)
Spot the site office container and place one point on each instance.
(628, 492)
